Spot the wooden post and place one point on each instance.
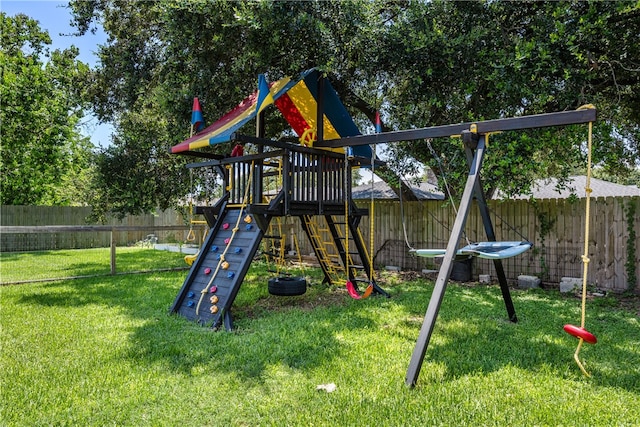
(113, 254)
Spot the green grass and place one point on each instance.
(105, 351)
(24, 266)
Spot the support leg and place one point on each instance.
(445, 269)
(491, 237)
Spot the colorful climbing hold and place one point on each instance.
(191, 294)
(247, 219)
(207, 270)
(238, 250)
(213, 289)
(225, 226)
(224, 265)
(230, 274)
(214, 248)
(214, 299)
(214, 309)
(191, 303)
(249, 227)
(227, 240)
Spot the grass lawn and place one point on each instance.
(105, 351)
(24, 266)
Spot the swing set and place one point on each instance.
(474, 137)
(316, 183)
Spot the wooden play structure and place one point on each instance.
(314, 176)
(280, 179)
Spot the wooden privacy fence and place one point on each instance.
(132, 228)
(554, 226)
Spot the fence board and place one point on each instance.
(428, 224)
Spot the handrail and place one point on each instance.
(32, 229)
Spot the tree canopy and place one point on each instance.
(44, 159)
(422, 63)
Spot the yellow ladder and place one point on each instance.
(329, 262)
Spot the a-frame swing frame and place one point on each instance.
(474, 136)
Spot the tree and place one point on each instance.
(489, 60)
(421, 63)
(44, 159)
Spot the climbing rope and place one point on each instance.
(580, 332)
(221, 261)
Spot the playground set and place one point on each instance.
(312, 181)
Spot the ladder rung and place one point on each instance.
(273, 254)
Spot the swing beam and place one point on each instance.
(474, 136)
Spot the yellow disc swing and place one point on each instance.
(579, 331)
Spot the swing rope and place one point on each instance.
(581, 333)
(346, 218)
(221, 261)
(402, 217)
(446, 184)
(191, 235)
(372, 218)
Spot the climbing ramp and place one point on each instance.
(217, 274)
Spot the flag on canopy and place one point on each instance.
(264, 95)
(197, 120)
(378, 122)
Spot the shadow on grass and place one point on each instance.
(279, 332)
(472, 334)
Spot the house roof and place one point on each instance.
(547, 189)
(541, 189)
(381, 190)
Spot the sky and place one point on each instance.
(55, 17)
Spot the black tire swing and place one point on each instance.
(287, 286)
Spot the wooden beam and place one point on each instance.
(513, 123)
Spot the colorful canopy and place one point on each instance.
(297, 101)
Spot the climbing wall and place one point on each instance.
(217, 274)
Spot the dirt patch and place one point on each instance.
(314, 298)
(630, 303)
